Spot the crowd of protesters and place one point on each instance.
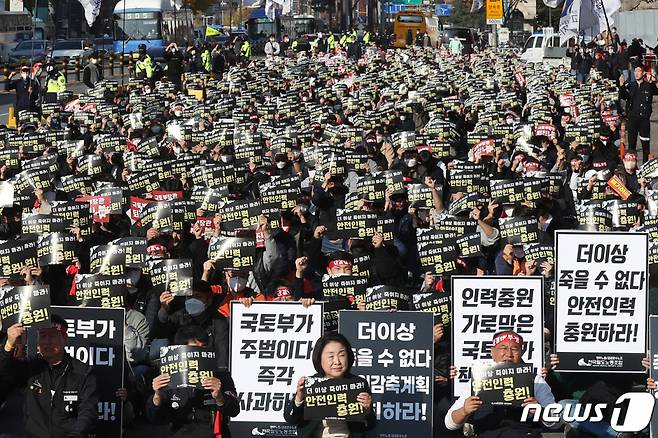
(324, 121)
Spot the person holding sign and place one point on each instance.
(194, 411)
(501, 421)
(332, 358)
(61, 400)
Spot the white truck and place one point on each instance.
(544, 47)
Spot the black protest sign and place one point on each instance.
(90, 165)
(624, 213)
(469, 245)
(95, 337)
(172, 275)
(110, 143)
(55, 248)
(77, 184)
(28, 305)
(371, 188)
(355, 224)
(601, 301)
(10, 158)
(539, 253)
(240, 214)
(213, 175)
(275, 199)
(114, 259)
(100, 290)
(436, 303)
(439, 257)
(466, 203)
(48, 162)
(161, 216)
(394, 180)
(394, 347)
(331, 311)
(209, 199)
(506, 191)
(35, 223)
(518, 231)
(593, 218)
(457, 225)
(504, 383)
(75, 214)
(361, 266)
(468, 181)
(232, 252)
(344, 286)
(420, 196)
(386, 297)
(14, 254)
(188, 366)
(144, 182)
(327, 398)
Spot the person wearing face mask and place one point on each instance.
(283, 165)
(199, 309)
(27, 90)
(194, 412)
(229, 285)
(630, 171)
(178, 111)
(397, 208)
(92, 74)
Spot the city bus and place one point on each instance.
(301, 28)
(409, 22)
(155, 23)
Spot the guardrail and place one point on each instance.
(112, 64)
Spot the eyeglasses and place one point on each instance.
(506, 348)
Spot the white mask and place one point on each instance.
(178, 113)
(508, 211)
(194, 306)
(24, 76)
(176, 149)
(280, 164)
(411, 162)
(629, 166)
(237, 284)
(380, 139)
(226, 158)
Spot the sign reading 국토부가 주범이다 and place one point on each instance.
(271, 348)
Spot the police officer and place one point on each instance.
(61, 400)
(639, 98)
(245, 50)
(206, 59)
(144, 65)
(55, 83)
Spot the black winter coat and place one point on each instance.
(71, 412)
(639, 98)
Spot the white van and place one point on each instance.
(544, 47)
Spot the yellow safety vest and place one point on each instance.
(146, 66)
(56, 85)
(331, 41)
(245, 50)
(366, 38)
(207, 64)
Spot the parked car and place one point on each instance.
(467, 36)
(69, 51)
(104, 46)
(28, 51)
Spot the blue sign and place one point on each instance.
(443, 10)
(392, 8)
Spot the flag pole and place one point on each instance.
(607, 23)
